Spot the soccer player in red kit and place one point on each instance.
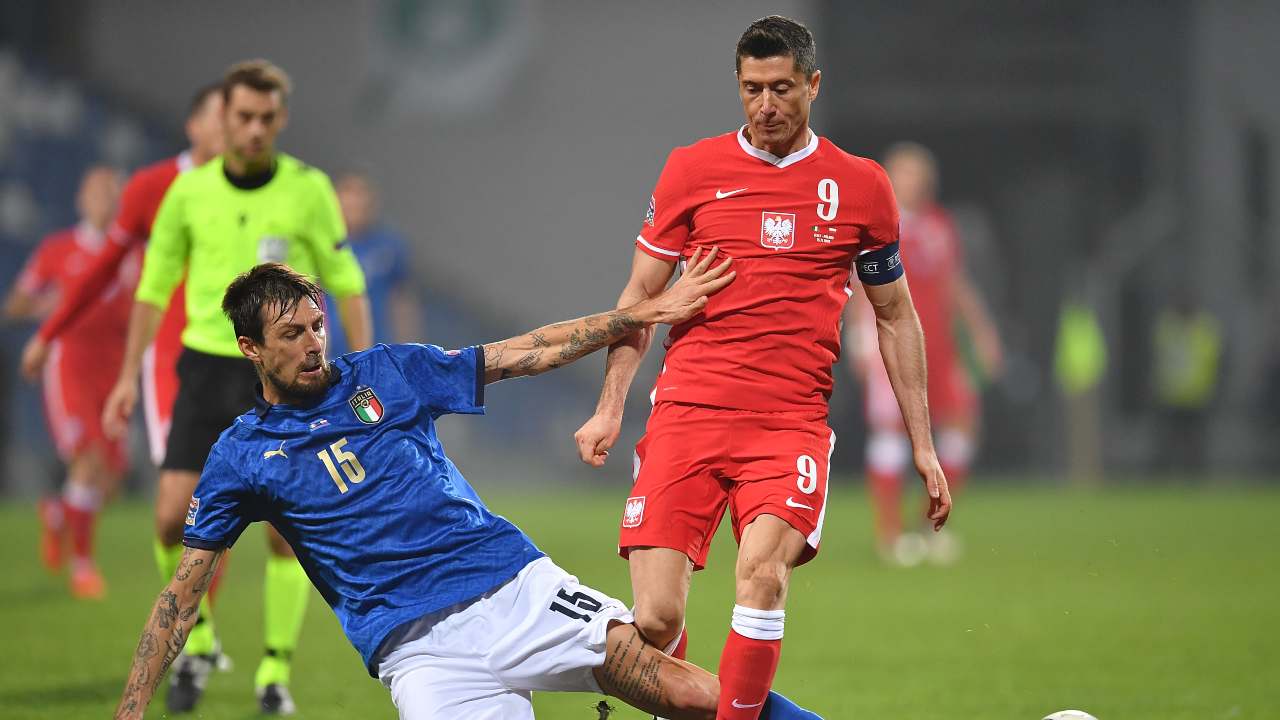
(79, 375)
(946, 301)
(128, 234)
(740, 406)
(125, 241)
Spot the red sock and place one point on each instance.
(747, 665)
(682, 645)
(886, 497)
(81, 508)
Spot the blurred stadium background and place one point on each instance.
(1107, 161)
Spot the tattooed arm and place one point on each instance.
(166, 631)
(555, 345)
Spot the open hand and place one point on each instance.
(689, 294)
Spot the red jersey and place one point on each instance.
(932, 246)
(61, 261)
(793, 226)
(128, 235)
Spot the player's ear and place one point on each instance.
(248, 348)
(284, 117)
(813, 84)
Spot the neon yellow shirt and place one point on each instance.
(212, 231)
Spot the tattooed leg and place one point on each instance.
(642, 676)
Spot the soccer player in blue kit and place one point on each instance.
(452, 607)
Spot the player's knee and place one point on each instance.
(762, 584)
(888, 452)
(659, 622)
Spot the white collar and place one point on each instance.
(772, 159)
(185, 162)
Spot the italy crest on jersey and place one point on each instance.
(366, 405)
(777, 230)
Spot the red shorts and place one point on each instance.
(160, 382)
(695, 460)
(951, 396)
(77, 382)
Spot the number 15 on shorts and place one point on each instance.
(566, 603)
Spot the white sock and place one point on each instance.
(758, 624)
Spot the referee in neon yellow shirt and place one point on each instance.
(251, 205)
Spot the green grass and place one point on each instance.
(1139, 603)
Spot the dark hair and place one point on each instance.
(201, 96)
(266, 285)
(260, 75)
(775, 36)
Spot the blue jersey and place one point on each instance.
(381, 520)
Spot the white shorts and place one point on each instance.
(542, 630)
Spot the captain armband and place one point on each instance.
(880, 267)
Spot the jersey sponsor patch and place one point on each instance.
(633, 513)
(648, 216)
(367, 407)
(192, 508)
(777, 230)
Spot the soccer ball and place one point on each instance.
(1070, 715)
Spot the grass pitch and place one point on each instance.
(1136, 603)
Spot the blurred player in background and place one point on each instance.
(250, 204)
(128, 234)
(950, 308)
(384, 257)
(126, 240)
(82, 365)
(740, 406)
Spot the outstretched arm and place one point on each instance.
(166, 630)
(902, 349)
(597, 435)
(556, 345)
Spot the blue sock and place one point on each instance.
(777, 707)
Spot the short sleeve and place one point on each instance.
(337, 266)
(221, 507)
(882, 213)
(446, 381)
(667, 222)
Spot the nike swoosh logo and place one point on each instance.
(739, 705)
(794, 504)
(723, 195)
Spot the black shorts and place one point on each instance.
(212, 392)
